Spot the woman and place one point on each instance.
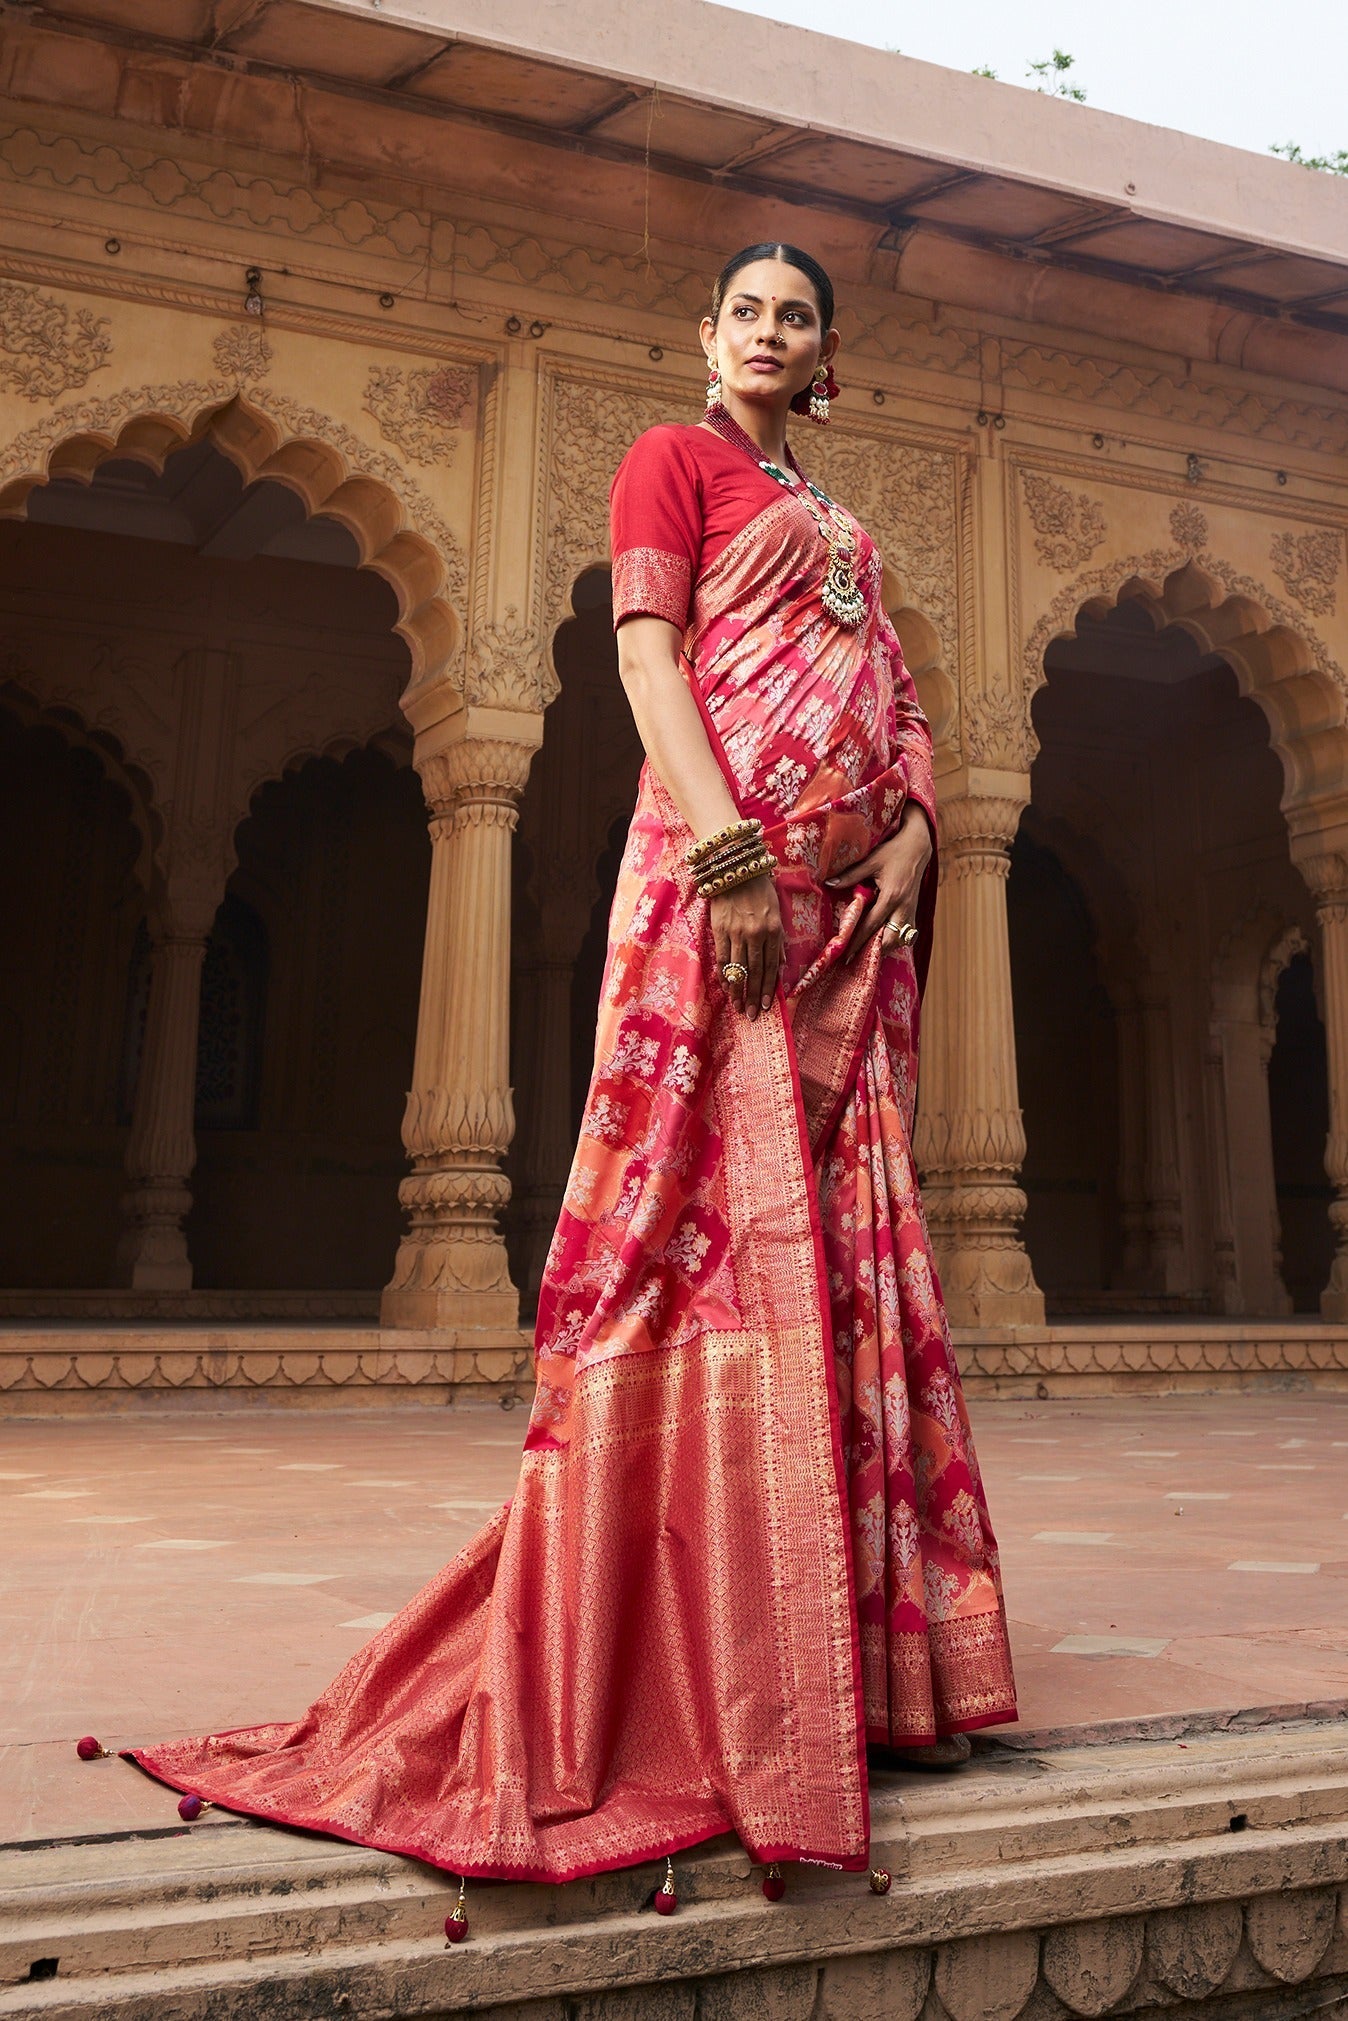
(749, 1534)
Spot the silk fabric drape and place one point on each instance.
(749, 1531)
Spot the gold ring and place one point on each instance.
(735, 972)
(907, 934)
(892, 926)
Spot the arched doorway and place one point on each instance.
(580, 793)
(229, 627)
(1159, 793)
(70, 903)
(308, 1023)
(1298, 1088)
(1067, 1070)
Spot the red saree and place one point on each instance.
(749, 1532)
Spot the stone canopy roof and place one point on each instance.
(898, 147)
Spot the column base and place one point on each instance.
(990, 1287)
(152, 1249)
(1334, 1303)
(148, 1276)
(449, 1307)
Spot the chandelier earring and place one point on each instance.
(819, 395)
(713, 385)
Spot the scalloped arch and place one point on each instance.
(70, 725)
(397, 531)
(1277, 660)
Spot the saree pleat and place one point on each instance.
(748, 1530)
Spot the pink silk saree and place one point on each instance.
(749, 1532)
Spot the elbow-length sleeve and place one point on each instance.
(656, 519)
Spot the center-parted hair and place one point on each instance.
(774, 249)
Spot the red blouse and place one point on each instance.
(681, 495)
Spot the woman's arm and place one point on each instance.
(746, 922)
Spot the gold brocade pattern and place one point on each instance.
(748, 1527)
(651, 583)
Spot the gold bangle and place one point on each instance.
(729, 858)
(757, 866)
(734, 831)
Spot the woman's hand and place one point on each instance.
(896, 867)
(746, 924)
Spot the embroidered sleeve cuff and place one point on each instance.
(647, 582)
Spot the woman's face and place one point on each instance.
(768, 339)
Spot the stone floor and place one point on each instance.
(177, 1573)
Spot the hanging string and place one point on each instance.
(652, 107)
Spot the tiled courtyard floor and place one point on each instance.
(180, 1573)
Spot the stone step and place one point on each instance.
(240, 1919)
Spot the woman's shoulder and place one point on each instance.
(667, 442)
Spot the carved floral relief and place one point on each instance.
(590, 428)
(47, 348)
(1189, 527)
(422, 411)
(242, 352)
(1068, 525)
(1307, 565)
(907, 498)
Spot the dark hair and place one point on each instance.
(773, 249)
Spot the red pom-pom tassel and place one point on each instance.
(666, 1900)
(190, 1808)
(880, 1879)
(774, 1886)
(89, 1749)
(456, 1925)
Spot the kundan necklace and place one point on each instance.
(841, 594)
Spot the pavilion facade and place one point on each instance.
(322, 331)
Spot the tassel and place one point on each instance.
(666, 1900)
(880, 1880)
(456, 1926)
(90, 1749)
(774, 1886)
(190, 1808)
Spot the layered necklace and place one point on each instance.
(841, 594)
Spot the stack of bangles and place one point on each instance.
(734, 855)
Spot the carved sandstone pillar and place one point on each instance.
(451, 1268)
(1245, 1189)
(1327, 877)
(1165, 1269)
(162, 1150)
(1132, 1144)
(970, 1137)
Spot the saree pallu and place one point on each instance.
(749, 1532)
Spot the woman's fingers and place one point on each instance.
(855, 873)
(772, 962)
(753, 988)
(738, 953)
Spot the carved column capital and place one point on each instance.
(1327, 878)
(193, 866)
(478, 779)
(975, 834)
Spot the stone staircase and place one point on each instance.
(1194, 1871)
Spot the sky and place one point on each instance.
(1248, 74)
